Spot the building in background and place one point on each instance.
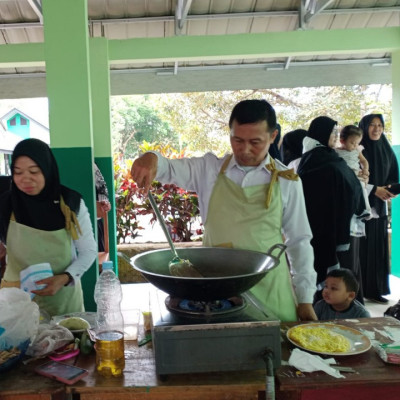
(14, 127)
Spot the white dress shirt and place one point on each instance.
(200, 173)
(84, 249)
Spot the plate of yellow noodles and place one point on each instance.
(329, 339)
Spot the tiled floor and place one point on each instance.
(377, 310)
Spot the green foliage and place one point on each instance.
(133, 121)
(201, 119)
(127, 204)
(179, 207)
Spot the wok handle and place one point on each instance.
(279, 246)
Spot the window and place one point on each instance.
(13, 121)
(23, 121)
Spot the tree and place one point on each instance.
(133, 122)
(201, 119)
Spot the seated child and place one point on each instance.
(338, 295)
(351, 152)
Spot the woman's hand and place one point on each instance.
(383, 193)
(102, 208)
(53, 285)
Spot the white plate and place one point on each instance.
(359, 342)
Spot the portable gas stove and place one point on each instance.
(225, 335)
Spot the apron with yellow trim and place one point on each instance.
(238, 216)
(27, 246)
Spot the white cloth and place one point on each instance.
(200, 173)
(294, 164)
(351, 157)
(306, 362)
(84, 250)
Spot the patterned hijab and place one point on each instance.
(54, 208)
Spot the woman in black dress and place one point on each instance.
(332, 193)
(384, 170)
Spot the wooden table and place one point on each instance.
(139, 381)
(22, 383)
(373, 378)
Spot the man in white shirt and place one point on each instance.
(249, 201)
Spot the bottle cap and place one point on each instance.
(107, 265)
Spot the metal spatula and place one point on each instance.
(177, 266)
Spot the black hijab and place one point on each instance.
(383, 166)
(332, 194)
(5, 183)
(321, 128)
(292, 145)
(41, 211)
(274, 148)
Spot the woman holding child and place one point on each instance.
(332, 193)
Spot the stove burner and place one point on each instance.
(213, 306)
(205, 309)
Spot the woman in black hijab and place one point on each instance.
(292, 145)
(42, 221)
(384, 170)
(332, 193)
(273, 150)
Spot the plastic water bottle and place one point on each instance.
(110, 359)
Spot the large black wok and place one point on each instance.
(227, 272)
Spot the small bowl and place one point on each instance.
(12, 362)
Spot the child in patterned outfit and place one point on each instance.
(351, 152)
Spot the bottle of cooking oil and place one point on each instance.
(110, 359)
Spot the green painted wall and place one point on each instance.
(395, 259)
(70, 108)
(106, 167)
(76, 172)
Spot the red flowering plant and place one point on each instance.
(178, 207)
(127, 204)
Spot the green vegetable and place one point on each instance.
(74, 323)
(86, 345)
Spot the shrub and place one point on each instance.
(178, 207)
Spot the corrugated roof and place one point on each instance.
(21, 22)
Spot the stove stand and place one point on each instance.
(230, 342)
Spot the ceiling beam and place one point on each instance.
(37, 8)
(229, 47)
(181, 12)
(316, 7)
(270, 14)
(192, 80)
(258, 45)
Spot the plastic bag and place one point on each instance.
(49, 338)
(19, 317)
